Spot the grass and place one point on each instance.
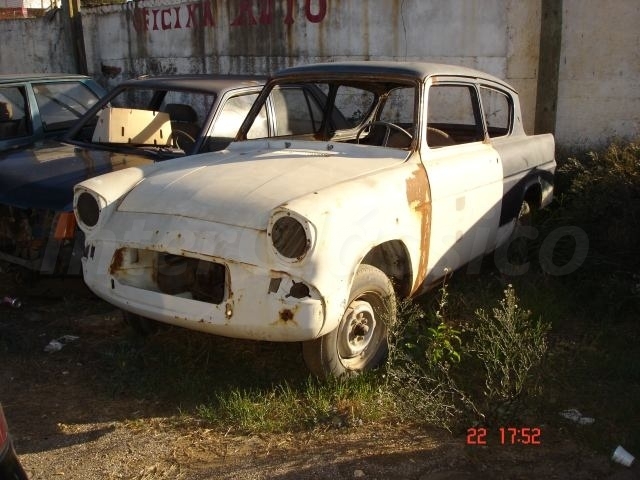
(583, 324)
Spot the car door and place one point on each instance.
(465, 176)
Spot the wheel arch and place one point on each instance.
(528, 188)
(533, 195)
(393, 259)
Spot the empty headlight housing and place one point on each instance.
(87, 207)
(291, 235)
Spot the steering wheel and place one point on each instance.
(388, 125)
(438, 138)
(181, 139)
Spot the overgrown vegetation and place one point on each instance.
(440, 377)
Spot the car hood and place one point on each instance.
(241, 186)
(43, 177)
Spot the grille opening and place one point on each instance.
(204, 281)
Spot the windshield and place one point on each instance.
(368, 112)
(139, 118)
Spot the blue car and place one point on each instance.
(36, 110)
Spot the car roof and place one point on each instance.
(35, 77)
(203, 82)
(419, 70)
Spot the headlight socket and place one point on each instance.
(290, 236)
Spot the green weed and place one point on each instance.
(510, 347)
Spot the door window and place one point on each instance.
(453, 115)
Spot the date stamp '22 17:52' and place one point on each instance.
(505, 436)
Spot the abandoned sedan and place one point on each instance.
(404, 172)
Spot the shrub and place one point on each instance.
(423, 350)
(599, 193)
(603, 198)
(510, 347)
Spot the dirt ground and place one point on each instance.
(65, 426)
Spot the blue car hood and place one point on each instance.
(44, 177)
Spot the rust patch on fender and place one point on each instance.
(286, 315)
(419, 200)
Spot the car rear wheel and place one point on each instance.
(360, 340)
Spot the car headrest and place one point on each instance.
(179, 112)
(6, 111)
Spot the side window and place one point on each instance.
(399, 106)
(354, 104)
(453, 115)
(498, 111)
(232, 115)
(61, 104)
(14, 121)
(295, 112)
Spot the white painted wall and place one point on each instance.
(599, 94)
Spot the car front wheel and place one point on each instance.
(359, 342)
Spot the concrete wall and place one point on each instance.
(35, 45)
(598, 94)
(260, 36)
(599, 84)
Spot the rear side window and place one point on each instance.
(498, 111)
(61, 104)
(453, 115)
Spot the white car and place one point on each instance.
(397, 174)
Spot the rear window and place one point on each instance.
(498, 111)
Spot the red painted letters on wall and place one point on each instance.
(248, 13)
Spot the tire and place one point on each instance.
(359, 342)
(140, 325)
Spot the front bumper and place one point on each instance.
(212, 295)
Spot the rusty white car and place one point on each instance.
(402, 173)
